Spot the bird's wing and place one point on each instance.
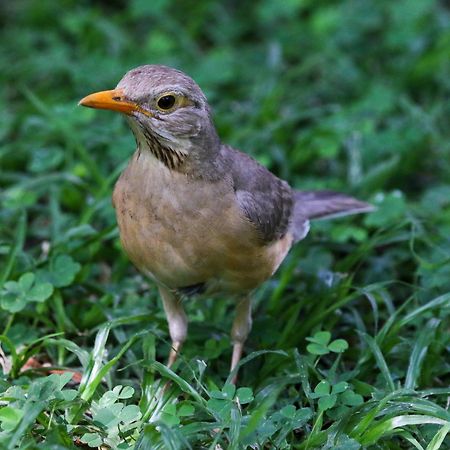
(265, 200)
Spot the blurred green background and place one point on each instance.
(350, 95)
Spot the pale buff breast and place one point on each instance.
(182, 231)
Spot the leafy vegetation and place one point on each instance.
(350, 345)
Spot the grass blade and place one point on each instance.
(419, 352)
(249, 358)
(439, 302)
(182, 384)
(385, 427)
(379, 358)
(438, 439)
(15, 248)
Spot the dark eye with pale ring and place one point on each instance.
(166, 102)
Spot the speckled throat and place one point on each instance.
(171, 158)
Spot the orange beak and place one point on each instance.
(112, 100)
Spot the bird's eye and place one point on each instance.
(166, 102)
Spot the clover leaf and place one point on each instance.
(337, 394)
(16, 294)
(338, 346)
(350, 398)
(61, 271)
(119, 392)
(321, 345)
(171, 414)
(221, 402)
(290, 417)
(10, 417)
(91, 439)
(323, 392)
(112, 418)
(245, 395)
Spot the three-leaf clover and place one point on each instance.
(296, 417)
(339, 393)
(281, 423)
(113, 418)
(327, 394)
(321, 345)
(221, 402)
(172, 413)
(119, 392)
(61, 271)
(16, 294)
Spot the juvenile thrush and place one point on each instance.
(195, 215)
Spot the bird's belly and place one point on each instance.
(183, 233)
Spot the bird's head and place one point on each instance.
(167, 111)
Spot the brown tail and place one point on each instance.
(328, 204)
(323, 205)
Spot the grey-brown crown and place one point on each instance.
(151, 79)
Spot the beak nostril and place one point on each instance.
(113, 100)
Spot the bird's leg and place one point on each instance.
(241, 328)
(177, 320)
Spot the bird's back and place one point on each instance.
(274, 208)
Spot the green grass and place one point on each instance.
(350, 344)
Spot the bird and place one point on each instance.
(195, 215)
